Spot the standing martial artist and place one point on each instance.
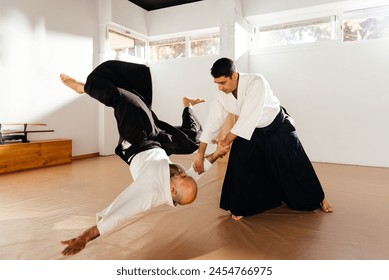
(267, 163)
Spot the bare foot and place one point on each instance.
(72, 83)
(236, 218)
(191, 102)
(326, 206)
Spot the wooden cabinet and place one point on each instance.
(22, 156)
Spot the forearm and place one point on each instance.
(228, 139)
(198, 163)
(202, 148)
(213, 157)
(90, 234)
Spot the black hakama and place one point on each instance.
(127, 88)
(270, 169)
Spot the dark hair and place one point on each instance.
(223, 67)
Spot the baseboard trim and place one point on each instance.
(85, 156)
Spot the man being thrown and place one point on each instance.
(145, 146)
(156, 182)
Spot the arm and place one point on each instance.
(198, 163)
(78, 243)
(129, 203)
(216, 117)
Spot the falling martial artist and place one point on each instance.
(145, 143)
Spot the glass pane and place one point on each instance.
(297, 32)
(205, 47)
(204, 44)
(365, 28)
(138, 50)
(165, 49)
(118, 41)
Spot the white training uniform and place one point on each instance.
(150, 188)
(255, 105)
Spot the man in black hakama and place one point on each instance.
(267, 164)
(127, 88)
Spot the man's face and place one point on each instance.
(227, 84)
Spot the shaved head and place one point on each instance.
(188, 190)
(183, 189)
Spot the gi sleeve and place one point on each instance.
(191, 172)
(216, 118)
(131, 202)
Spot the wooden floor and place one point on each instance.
(40, 207)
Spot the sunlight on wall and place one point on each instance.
(31, 59)
(241, 40)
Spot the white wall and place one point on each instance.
(192, 16)
(338, 95)
(129, 15)
(172, 80)
(338, 104)
(38, 40)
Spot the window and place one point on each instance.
(298, 32)
(123, 44)
(129, 46)
(208, 44)
(365, 24)
(168, 48)
(193, 44)
(336, 23)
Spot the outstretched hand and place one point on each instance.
(74, 246)
(78, 243)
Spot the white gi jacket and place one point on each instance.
(255, 105)
(150, 188)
